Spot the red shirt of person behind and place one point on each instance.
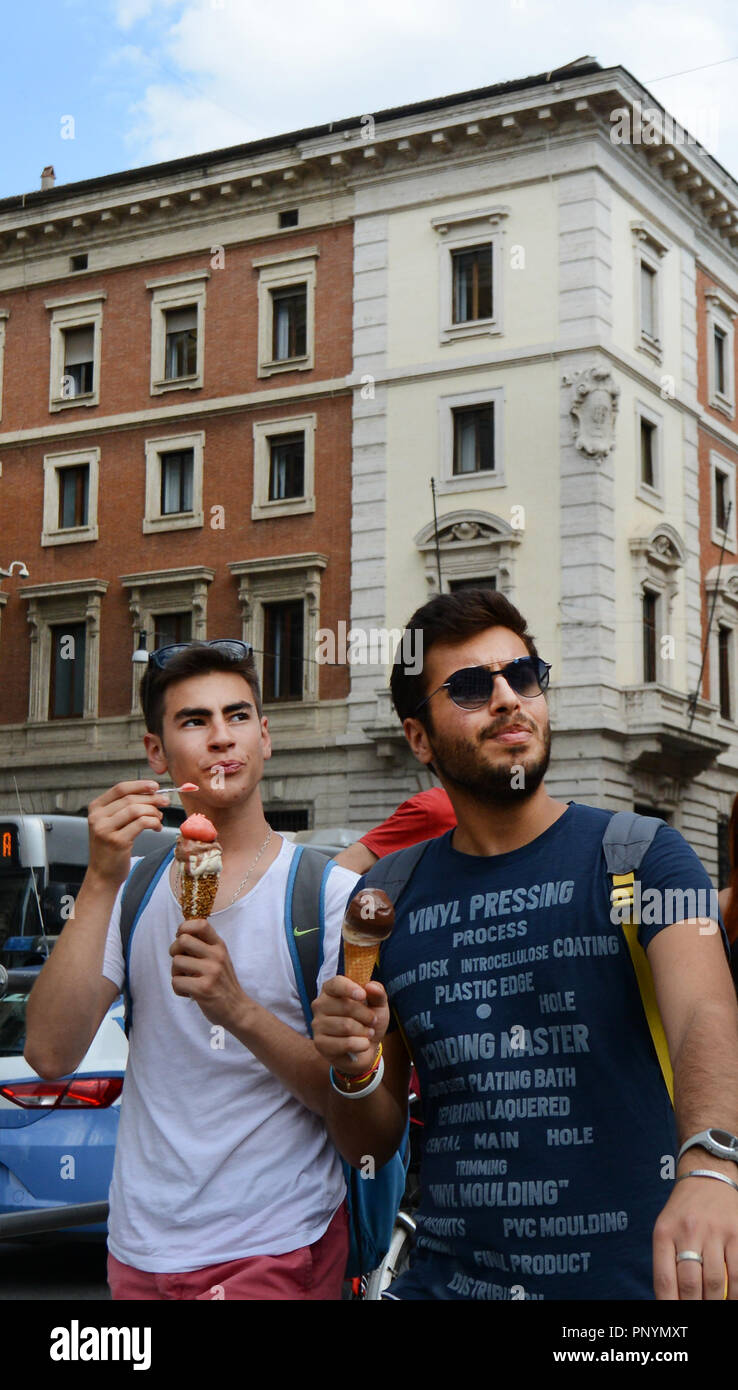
(422, 817)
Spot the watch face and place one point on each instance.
(722, 1137)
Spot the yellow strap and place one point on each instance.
(622, 894)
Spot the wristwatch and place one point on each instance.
(718, 1142)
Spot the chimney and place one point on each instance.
(48, 177)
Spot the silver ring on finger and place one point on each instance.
(689, 1255)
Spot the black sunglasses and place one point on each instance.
(228, 646)
(472, 687)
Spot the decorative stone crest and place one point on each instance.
(594, 408)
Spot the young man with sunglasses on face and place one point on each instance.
(546, 1169)
(225, 1182)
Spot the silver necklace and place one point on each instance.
(242, 885)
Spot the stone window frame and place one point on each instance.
(722, 589)
(153, 520)
(654, 496)
(263, 431)
(721, 310)
(450, 482)
(52, 533)
(649, 248)
(719, 463)
(165, 591)
(459, 232)
(4, 316)
(656, 560)
(280, 272)
(50, 605)
(282, 579)
(79, 311)
(176, 292)
(472, 543)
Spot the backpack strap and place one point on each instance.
(626, 841)
(394, 871)
(137, 890)
(304, 922)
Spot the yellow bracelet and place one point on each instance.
(352, 1081)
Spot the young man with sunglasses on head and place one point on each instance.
(550, 1141)
(225, 1182)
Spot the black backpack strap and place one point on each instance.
(394, 871)
(138, 888)
(627, 839)
(304, 921)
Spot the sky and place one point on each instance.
(96, 86)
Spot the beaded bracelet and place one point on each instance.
(367, 1090)
(355, 1080)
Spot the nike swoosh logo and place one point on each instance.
(304, 931)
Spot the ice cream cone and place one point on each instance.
(359, 962)
(198, 895)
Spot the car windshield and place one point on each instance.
(19, 914)
(13, 1025)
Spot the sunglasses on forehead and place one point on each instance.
(228, 646)
(472, 687)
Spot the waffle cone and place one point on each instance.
(359, 962)
(198, 895)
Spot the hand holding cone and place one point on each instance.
(369, 920)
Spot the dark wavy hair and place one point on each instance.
(448, 618)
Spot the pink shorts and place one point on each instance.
(311, 1272)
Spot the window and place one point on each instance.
(284, 467)
(648, 471)
(4, 316)
(488, 582)
(289, 218)
(650, 616)
(74, 489)
(170, 628)
(474, 439)
(78, 262)
(472, 284)
(71, 483)
(280, 606)
(283, 651)
(65, 648)
(470, 279)
(723, 501)
(178, 331)
(649, 250)
(725, 661)
(286, 297)
(76, 333)
(477, 550)
(167, 606)
(470, 437)
(721, 313)
(286, 819)
(174, 482)
(66, 695)
(180, 354)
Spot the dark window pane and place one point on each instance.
(289, 323)
(648, 300)
(286, 467)
(170, 628)
(649, 637)
(181, 343)
(724, 655)
(283, 651)
(474, 439)
(177, 470)
(489, 582)
(721, 500)
(73, 495)
(472, 276)
(78, 361)
(719, 343)
(647, 453)
(67, 694)
(288, 820)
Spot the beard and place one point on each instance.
(458, 762)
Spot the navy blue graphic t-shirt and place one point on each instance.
(549, 1137)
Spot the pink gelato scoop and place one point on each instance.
(198, 827)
